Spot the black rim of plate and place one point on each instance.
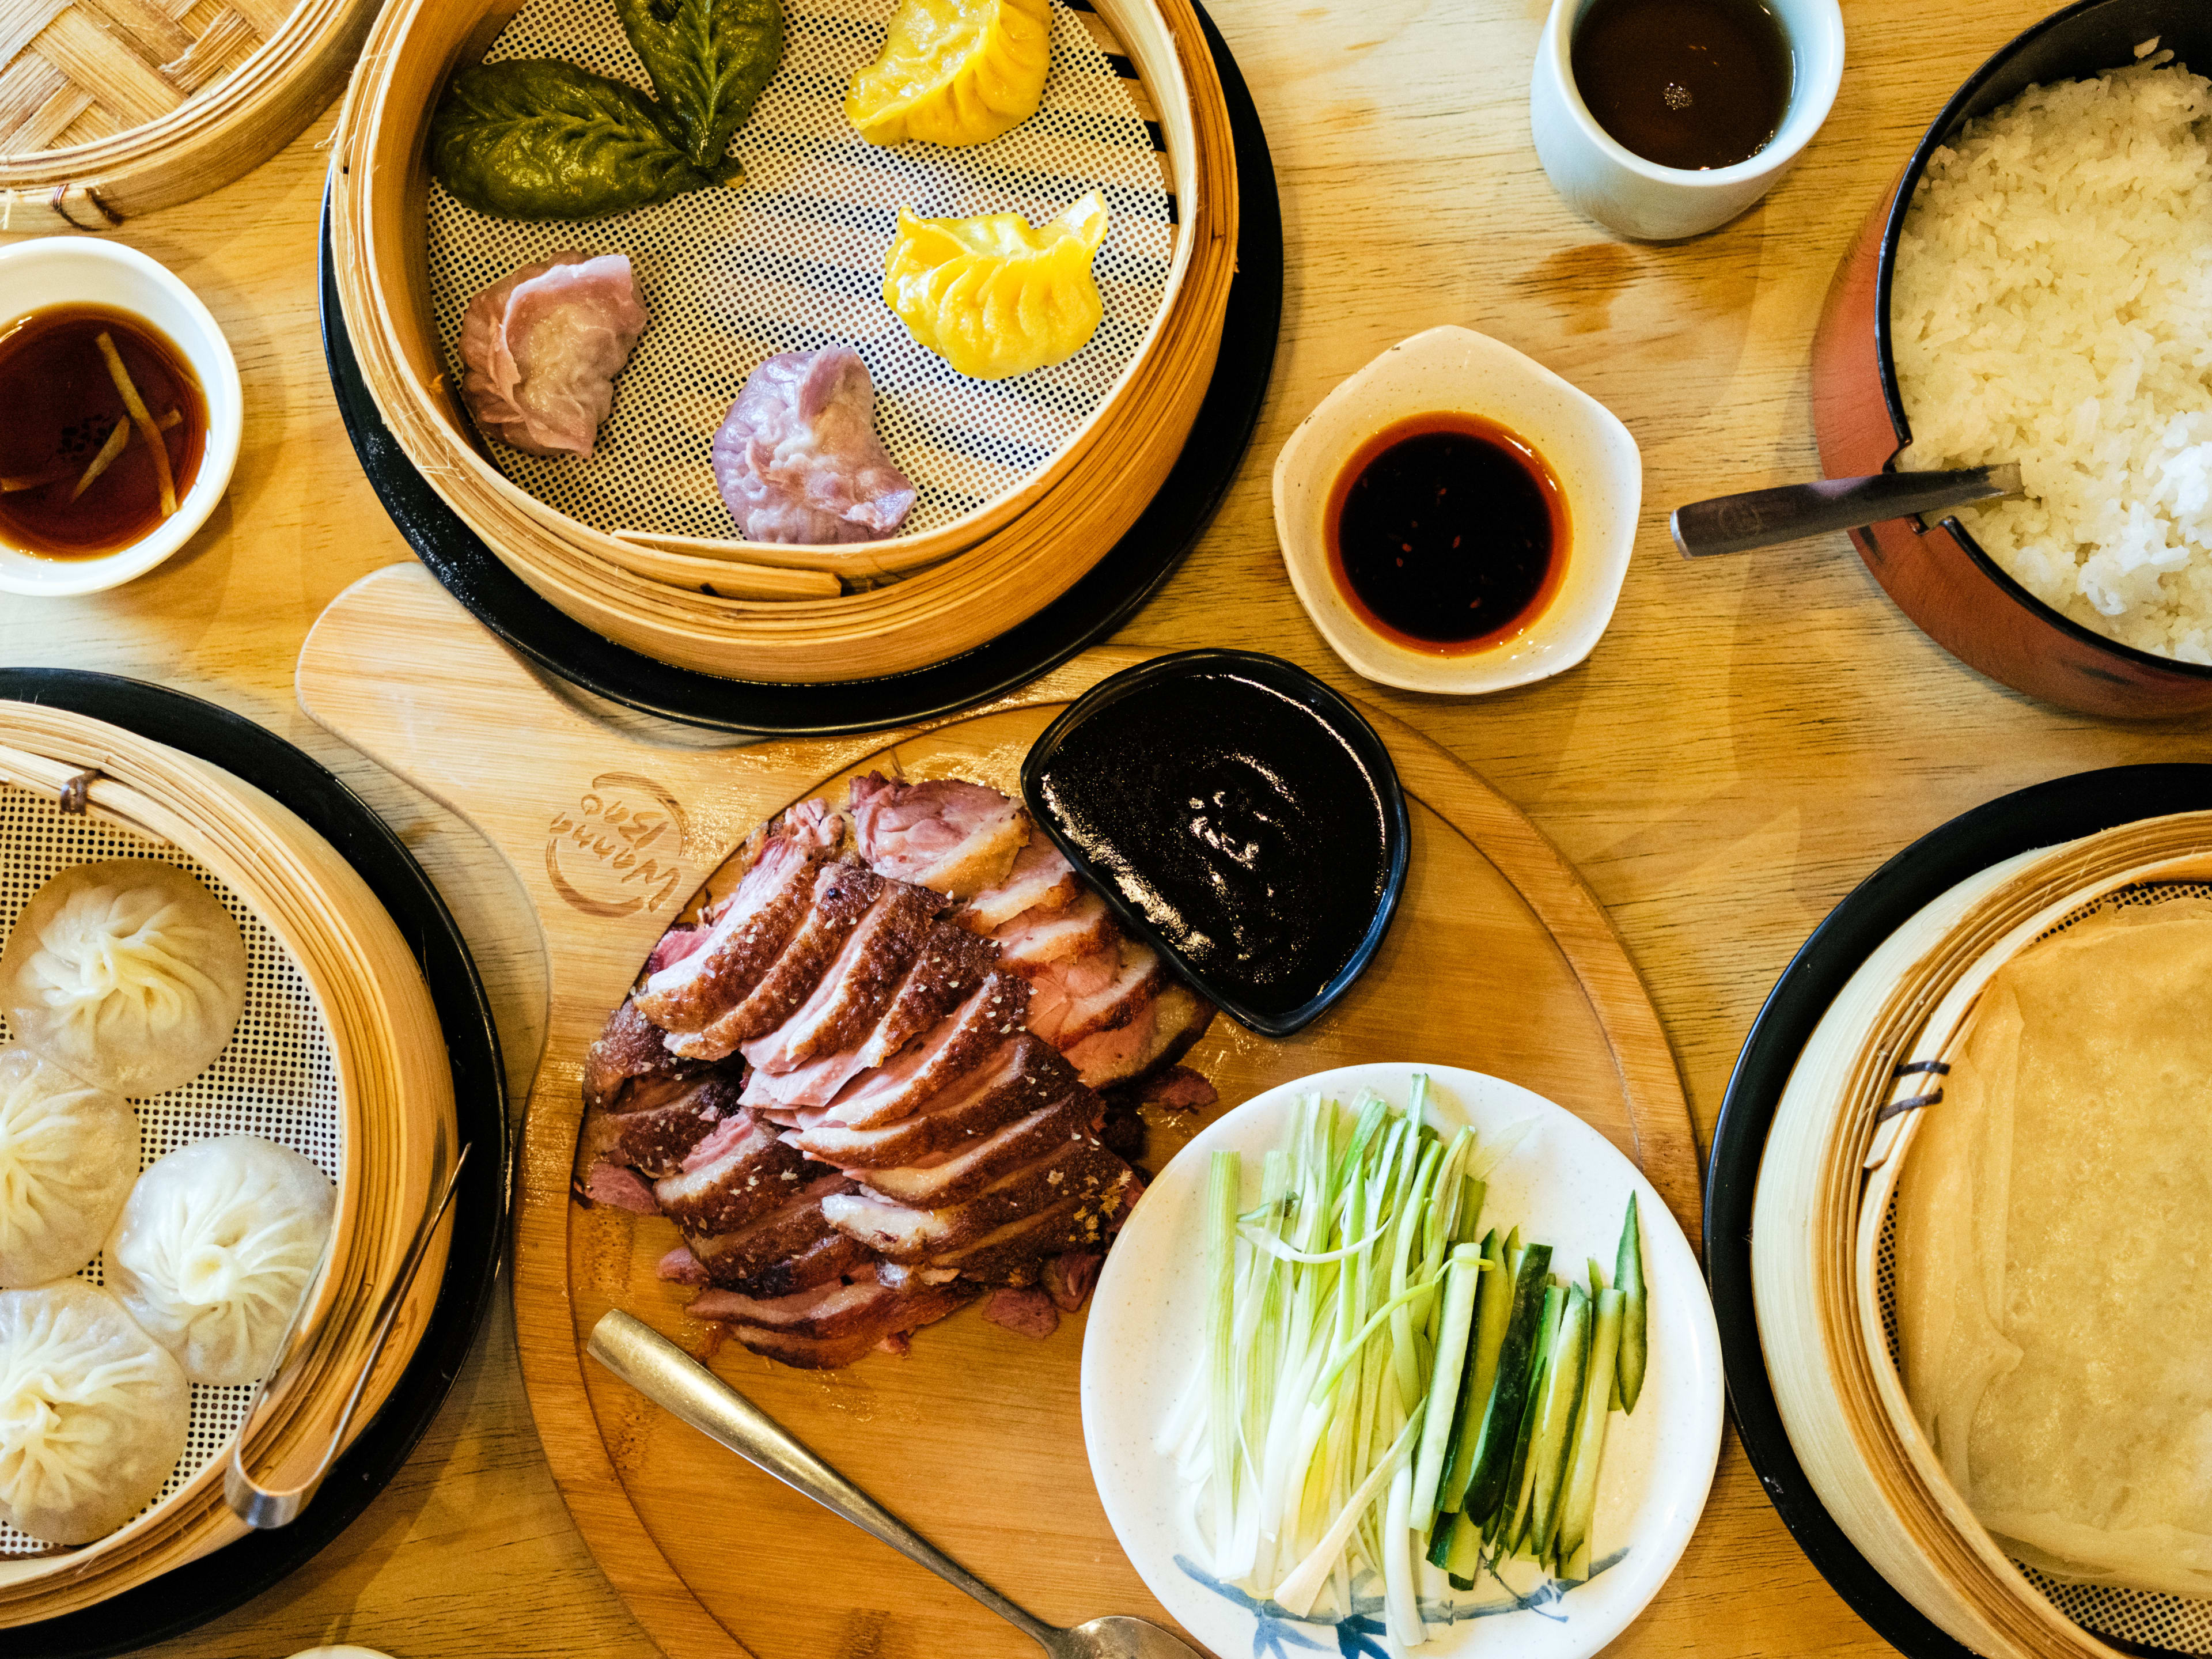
(190, 1595)
(1097, 604)
(1349, 726)
(2042, 815)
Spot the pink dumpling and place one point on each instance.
(542, 349)
(797, 459)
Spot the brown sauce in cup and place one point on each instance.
(1691, 84)
(1447, 534)
(62, 408)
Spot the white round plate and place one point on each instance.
(1564, 1185)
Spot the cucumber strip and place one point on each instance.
(1471, 1196)
(1575, 1570)
(1492, 1462)
(1555, 1433)
(1590, 1430)
(1521, 1474)
(1628, 1278)
(1462, 1276)
(1596, 1276)
(1493, 1311)
(1463, 1559)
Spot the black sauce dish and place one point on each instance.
(1240, 817)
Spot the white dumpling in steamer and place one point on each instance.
(67, 1155)
(214, 1248)
(93, 1412)
(128, 973)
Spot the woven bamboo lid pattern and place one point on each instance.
(110, 108)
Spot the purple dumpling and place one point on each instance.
(798, 459)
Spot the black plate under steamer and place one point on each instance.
(190, 1595)
(1097, 604)
(2042, 815)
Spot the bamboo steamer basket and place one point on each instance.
(112, 108)
(397, 1113)
(730, 608)
(1826, 1183)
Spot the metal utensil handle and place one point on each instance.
(664, 1373)
(1761, 517)
(263, 1507)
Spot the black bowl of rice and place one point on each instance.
(2037, 288)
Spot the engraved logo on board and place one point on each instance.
(620, 849)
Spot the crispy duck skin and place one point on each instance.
(656, 1140)
(740, 1173)
(1065, 1014)
(960, 1043)
(946, 972)
(830, 1258)
(843, 893)
(750, 930)
(917, 1236)
(630, 1068)
(1024, 1075)
(1036, 939)
(1016, 1253)
(955, 836)
(893, 1314)
(748, 1257)
(1042, 880)
(1160, 1036)
(951, 1178)
(858, 985)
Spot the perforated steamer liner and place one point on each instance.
(388, 1060)
(1051, 531)
(1820, 1217)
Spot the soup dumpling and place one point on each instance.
(67, 1155)
(997, 296)
(128, 973)
(93, 1412)
(216, 1248)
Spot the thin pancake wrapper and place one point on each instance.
(2054, 1233)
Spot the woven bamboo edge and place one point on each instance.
(1068, 519)
(398, 1091)
(216, 135)
(1817, 1218)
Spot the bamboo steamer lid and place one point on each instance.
(388, 1054)
(1841, 1134)
(112, 108)
(710, 605)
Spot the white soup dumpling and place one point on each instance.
(67, 1155)
(128, 973)
(93, 1412)
(217, 1247)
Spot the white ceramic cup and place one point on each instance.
(1614, 185)
(53, 270)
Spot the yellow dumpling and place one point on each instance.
(954, 72)
(995, 296)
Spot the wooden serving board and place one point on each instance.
(1499, 960)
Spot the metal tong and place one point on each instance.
(263, 1507)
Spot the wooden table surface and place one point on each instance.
(1752, 735)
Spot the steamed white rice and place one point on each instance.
(2052, 304)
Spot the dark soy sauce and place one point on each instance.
(1236, 822)
(1447, 534)
(61, 405)
(1687, 83)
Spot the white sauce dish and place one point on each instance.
(56, 270)
(1455, 371)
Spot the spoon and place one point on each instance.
(665, 1374)
(1761, 517)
